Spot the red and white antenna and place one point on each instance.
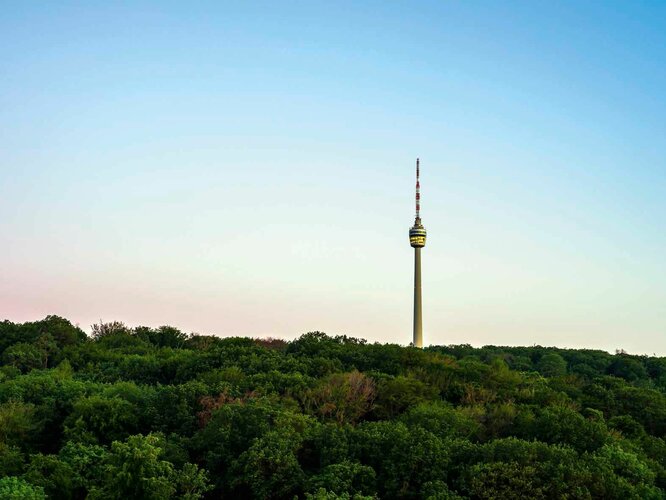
(418, 192)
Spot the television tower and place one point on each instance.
(417, 239)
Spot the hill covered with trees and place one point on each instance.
(155, 414)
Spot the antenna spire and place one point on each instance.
(418, 193)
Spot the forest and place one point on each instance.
(156, 413)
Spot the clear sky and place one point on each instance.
(247, 168)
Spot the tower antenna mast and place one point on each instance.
(418, 192)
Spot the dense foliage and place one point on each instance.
(155, 413)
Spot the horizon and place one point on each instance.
(89, 334)
(248, 170)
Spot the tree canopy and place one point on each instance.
(154, 413)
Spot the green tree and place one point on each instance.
(48, 348)
(87, 463)
(164, 336)
(230, 431)
(270, 468)
(14, 488)
(619, 474)
(17, 423)
(397, 394)
(345, 477)
(135, 469)
(323, 494)
(11, 460)
(504, 480)
(442, 420)
(23, 356)
(101, 330)
(52, 474)
(60, 330)
(552, 365)
(627, 368)
(566, 426)
(438, 490)
(97, 419)
(404, 459)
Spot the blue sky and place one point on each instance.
(248, 169)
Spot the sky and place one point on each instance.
(247, 168)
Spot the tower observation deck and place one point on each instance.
(417, 239)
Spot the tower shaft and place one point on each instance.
(418, 313)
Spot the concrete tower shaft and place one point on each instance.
(418, 309)
(417, 239)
